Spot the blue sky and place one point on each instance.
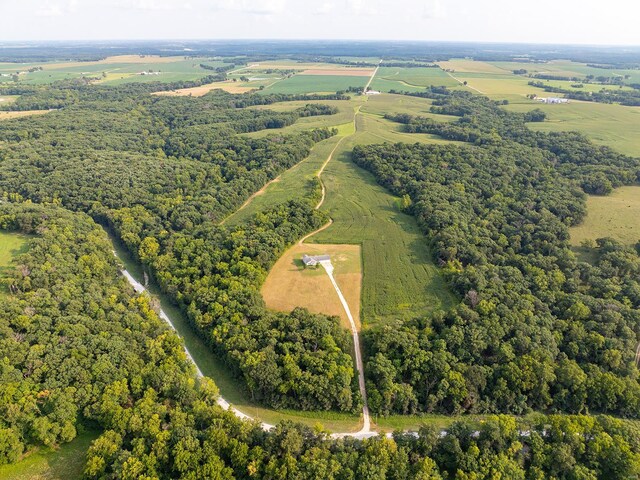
(540, 21)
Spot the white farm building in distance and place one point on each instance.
(314, 260)
(552, 100)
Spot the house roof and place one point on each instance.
(314, 259)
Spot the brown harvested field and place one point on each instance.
(290, 285)
(231, 87)
(25, 113)
(351, 72)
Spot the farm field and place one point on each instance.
(291, 285)
(231, 87)
(410, 79)
(316, 83)
(63, 463)
(616, 215)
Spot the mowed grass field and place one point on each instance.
(616, 216)
(400, 278)
(63, 463)
(289, 284)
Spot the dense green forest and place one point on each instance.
(80, 349)
(162, 172)
(537, 329)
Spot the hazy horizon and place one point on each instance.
(548, 22)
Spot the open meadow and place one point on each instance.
(616, 215)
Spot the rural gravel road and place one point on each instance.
(366, 427)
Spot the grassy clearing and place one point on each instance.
(231, 87)
(290, 285)
(339, 120)
(614, 125)
(296, 183)
(63, 463)
(7, 99)
(616, 216)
